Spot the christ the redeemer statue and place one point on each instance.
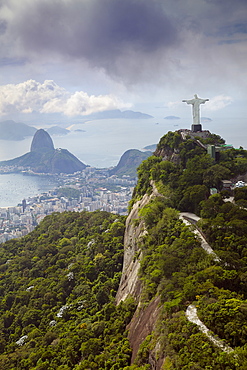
(196, 108)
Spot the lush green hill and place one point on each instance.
(129, 162)
(174, 266)
(58, 283)
(185, 170)
(57, 295)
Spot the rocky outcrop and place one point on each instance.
(134, 231)
(145, 317)
(42, 142)
(141, 325)
(44, 158)
(168, 154)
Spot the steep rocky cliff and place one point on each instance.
(42, 142)
(166, 270)
(145, 317)
(134, 231)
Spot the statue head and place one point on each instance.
(196, 97)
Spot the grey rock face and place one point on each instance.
(42, 142)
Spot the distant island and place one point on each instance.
(206, 119)
(117, 113)
(16, 131)
(172, 117)
(11, 130)
(44, 158)
(57, 130)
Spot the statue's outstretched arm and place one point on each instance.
(204, 101)
(188, 101)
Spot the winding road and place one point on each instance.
(191, 313)
(191, 219)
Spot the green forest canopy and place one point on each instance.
(59, 282)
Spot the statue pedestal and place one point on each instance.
(196, 127)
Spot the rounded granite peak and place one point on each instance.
(42, 142)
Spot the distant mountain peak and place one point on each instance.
(44, 158)
(42, 142)
(129, 162)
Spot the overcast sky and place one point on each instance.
(76, 57)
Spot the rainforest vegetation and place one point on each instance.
(175, 266)
(57, 295)
(58, 283)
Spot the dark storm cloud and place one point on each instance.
(3, 26)
(101, 31)
(11, 61)
(237, 28)
(130, 40)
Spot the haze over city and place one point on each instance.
(62, 60)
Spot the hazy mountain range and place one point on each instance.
(117, 113)
(44, 158)
(11, 130)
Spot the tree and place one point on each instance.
(192, 197)
(211, 206)
(213, 176)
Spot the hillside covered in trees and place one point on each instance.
(57, 295)
(58, 284)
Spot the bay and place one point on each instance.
(15, 187)
(98, 143)
(101, 143)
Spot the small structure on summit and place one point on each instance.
(196, 102)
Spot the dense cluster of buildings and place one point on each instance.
(91, 189)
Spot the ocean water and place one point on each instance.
(16, 187)
(101, 143)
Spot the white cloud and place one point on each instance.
(218, 102)
(80, 103)
(48, 97)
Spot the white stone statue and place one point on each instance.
(196, 107)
